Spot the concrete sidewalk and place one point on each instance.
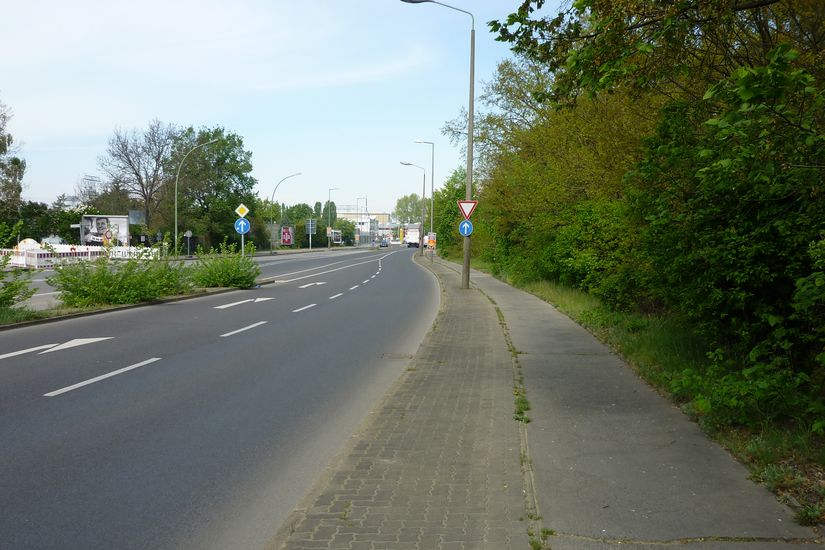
(606, 463)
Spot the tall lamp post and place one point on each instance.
(177, 176)
(360, 219)
(272, 200)
(423, 204)
(329, 214)
(432, 180)
(465, 271)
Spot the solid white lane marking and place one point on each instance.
(101, 377)
(76, 342)
(243, 329)
(354, 287)
(310, 269)
(336, 296)
(22, 351)
(233, 304)
(300, 309)
(282, 281)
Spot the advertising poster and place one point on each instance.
(286, 235)
(104, 230)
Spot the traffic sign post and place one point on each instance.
(467, 208)
(465, 228)
(242, 226)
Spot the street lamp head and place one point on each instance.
(416, 1)
(406, 163)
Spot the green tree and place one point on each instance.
(672, 47)
(298, 213)
(12, 169)
(329, 212)
(731, 199)
(408, 209)
(447, 214)
(214, 181)
(347, 229)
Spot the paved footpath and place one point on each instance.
(606, 463)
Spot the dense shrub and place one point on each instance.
(225, 267)
(103, 282)
(14, 285)
(734, 219)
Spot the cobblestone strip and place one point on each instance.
(437, 465)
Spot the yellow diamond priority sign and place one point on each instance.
(242, 210)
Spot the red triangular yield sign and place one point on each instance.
(467, 208)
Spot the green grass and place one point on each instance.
(11, 315)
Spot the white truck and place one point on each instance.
(412, 235)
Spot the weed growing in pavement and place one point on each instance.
(522, 406)
(347, 509)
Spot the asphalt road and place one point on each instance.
(200, 423)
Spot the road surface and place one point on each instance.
(200, 423)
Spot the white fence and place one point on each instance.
(40, 258)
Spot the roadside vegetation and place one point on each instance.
(225, 267)
(655, 170)
(115, 282)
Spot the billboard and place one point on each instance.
(287, 233)
(104, 230)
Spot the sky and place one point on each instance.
(338, 90)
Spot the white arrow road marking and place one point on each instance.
(300, 309)
(101, 377)
(319, 283)
(233, 304)
(22, 351)
(259, 323)
(336, 296)
(76, 342)
(248, 300)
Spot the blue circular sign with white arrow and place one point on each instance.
(242, 226)
(465, 228)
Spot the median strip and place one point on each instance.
(101, 377)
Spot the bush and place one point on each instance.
(14, 285)
(225, 267)
(104, 282)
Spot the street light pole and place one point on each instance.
(423, 205)
(329, 215)
(465, 271)
(272, 200)
(177, 176)
(432, 180)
